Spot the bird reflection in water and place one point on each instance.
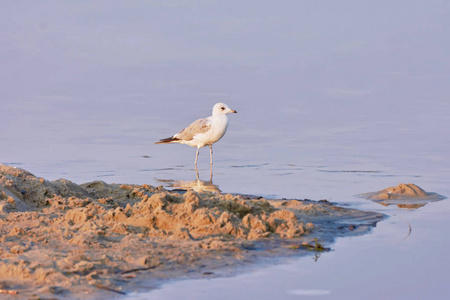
(199, 186)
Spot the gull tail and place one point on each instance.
(168, 140)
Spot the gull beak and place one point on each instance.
(233, 111)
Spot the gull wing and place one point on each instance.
(199, 126)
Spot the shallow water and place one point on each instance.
(333, 100)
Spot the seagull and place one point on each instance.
(203, 132)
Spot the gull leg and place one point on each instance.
(210, 164)
(196, 158)
(210, 154)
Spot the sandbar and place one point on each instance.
(97, 240)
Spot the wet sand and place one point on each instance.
(59, 239)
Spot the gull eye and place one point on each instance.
(222, 108)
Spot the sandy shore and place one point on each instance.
(63, 240)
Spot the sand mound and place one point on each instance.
(23, 191)
(403, 195)
(60, 238)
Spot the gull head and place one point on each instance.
(222, 109)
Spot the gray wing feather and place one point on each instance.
(199, 126)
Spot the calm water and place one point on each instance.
(333, 98)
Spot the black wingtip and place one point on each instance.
(167, 140)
